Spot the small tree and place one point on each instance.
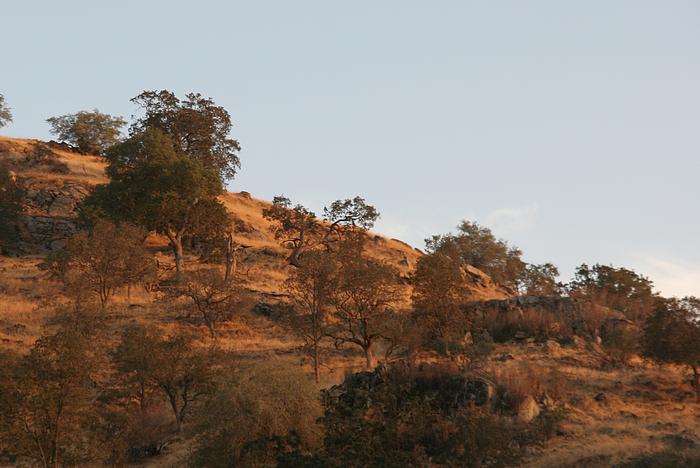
(311, 288)
(11, 197)
(477, 246)
(365, 292)
(213, 296)
(105, 259)
(671, 334)
(439, 289)
(300, 230)
(5, 114)
(174, 366)
(92, 132)
(47, 397)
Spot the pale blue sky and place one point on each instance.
(570, 128)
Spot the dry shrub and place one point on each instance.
(515, 384)
(594, 315)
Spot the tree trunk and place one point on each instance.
(294, 258)
(230, 258)
(316, 362)
(696, 383)
(369, 356)
(176, 244)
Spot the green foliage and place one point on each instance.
(617, 288)
(11, 197)
(5, 114)
(258, 413)
(92, 132)
(197, 127)
(155, 187)
(477, 246)
(106, 258)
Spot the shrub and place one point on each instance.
(515, 384)
(258, 413)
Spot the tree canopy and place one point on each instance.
(5, 113)
(197, 127)
(155, 187)
(618, 288)
(300, 230)
(92, 132)
(477, 246)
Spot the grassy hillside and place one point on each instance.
(612, 413)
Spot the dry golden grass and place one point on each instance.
(644, 407)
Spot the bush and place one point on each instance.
(259, 413)
(404, 416)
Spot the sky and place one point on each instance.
(571, 129)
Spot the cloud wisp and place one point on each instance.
(509, 221)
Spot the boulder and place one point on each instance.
(528, 410)
(552, 348)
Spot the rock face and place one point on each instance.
(50, 213)
(555, 315)
(447, 392)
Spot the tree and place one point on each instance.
(213, 296)
(174, 366)
(46, 400)
(5, 114)
(477, 246)
(300, 230)
(11, 198)
(539, 280)
(671, 333)
(365, 292)
(197, 127)
(617, 288)
(154, 187)
(439, 291)
(92, 132)
(109, 257)
(311, 288)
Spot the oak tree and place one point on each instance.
(91, 132)
(477, 246)
(197, 126)
(155, 187)
(311, 288)
(5, 113)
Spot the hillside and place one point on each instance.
(613, 413)
(57, 179)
